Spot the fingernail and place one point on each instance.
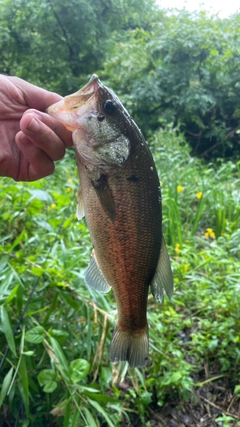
(33, 126)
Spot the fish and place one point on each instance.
(120, 196)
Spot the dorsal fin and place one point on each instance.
(163, 278)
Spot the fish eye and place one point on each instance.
(109, 106)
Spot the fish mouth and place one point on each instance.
(70, 109)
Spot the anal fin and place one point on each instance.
(163, 278)
(94, 277)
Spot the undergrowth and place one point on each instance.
(55, 333)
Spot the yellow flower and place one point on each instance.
(186, 267)
(70, 180)
(209, 233)
(53, 205)
(180, 189)
(69, 190)
(177, 248)
(199, 195)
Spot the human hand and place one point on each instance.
(30, 140)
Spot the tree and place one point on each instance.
(180, 68)
(185, 72)
(57, 45)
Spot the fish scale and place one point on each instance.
(121, 198)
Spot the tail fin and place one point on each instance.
(129, 346)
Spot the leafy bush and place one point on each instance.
(184, 71)
(57, 45)
(179, 68)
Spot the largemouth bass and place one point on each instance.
(121, 198)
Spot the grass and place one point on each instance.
(55, 333)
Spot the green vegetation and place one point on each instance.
(55, 332)
(58, 45)
(188, 75)
(180, 68)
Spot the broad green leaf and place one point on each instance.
(5, 385)
(79, 369)
(50, 386)
(35, 335)
(60, 334)
(146, 397)
(47, 379)
(46, 375)
(7, 329)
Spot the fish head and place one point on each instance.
(99, 123)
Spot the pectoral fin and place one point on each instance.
(94, 277)
(80, 207)
(163, 278)
(105, 196)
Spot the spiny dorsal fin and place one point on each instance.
(94, 277)
(80, 207)
(163, 278)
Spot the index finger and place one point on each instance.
(35, 96)
(55, 127)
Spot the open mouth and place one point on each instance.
(69, 110)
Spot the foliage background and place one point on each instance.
(178, 74)
(180, 68)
